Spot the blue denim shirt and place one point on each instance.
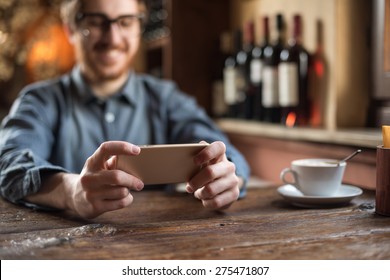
(54, 126)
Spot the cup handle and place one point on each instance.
(293, 173)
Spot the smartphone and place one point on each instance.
(162, 164)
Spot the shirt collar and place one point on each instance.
(128, 92)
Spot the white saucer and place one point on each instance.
(343, 196)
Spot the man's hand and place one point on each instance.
(216, 184)
(101, 187)
(98, 189)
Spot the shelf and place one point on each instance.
(365, 138)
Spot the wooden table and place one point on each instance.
(162, 225)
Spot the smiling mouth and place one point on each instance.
(110, 55)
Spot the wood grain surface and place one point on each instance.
(160, 225)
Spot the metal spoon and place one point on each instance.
(347, 158)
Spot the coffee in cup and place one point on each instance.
(315, 177)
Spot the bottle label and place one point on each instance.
(288, 84)
(270, 97)
(256, 69)
(219, 105)
(229, 85)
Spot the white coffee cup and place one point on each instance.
(315, 177)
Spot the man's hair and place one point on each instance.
(70, 8)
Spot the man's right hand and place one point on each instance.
(99, 188)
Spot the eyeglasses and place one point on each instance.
(95, 24)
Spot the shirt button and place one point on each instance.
(110, 117)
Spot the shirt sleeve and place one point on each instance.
(26, 139)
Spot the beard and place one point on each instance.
(106, 62)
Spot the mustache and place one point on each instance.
(103, 46)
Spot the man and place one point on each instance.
(58, 145)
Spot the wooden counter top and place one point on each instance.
(163, 225)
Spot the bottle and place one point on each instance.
(293, 79)
(244, 58)
(256, 71)
(234, 80)
(270, 89)
(317, 80)
(222, 51)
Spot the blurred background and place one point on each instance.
(190, 41)
(279, 76)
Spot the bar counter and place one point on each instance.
(161, 225)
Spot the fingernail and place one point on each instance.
(139, 185)
(135, 149)
(189, 189)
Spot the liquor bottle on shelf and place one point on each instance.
(293, 79)
(244, 58)
(270, 89)
(256, 71)
(223, 52)
(317, 80)
(234, 81)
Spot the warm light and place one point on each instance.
(3, 37)
(43, 52)
(291, 119)
(319, 68)
(49, 55)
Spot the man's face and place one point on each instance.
(105, 48)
